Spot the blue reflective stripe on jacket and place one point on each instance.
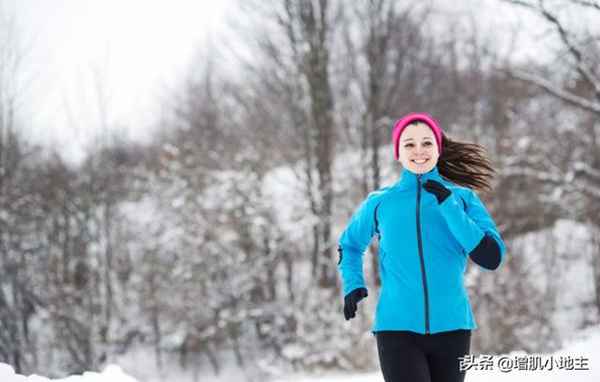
(428, 295)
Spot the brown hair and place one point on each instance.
(465, 164)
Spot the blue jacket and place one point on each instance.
(423, 250)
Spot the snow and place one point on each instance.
(112, 373)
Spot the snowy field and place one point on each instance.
(111, 373)
(578, 361)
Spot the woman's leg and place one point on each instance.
(400, 357)
(442, 352)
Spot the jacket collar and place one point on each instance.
(409, 179)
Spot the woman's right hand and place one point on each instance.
(350, 301)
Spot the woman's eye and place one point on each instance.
(427, 143)
(408, 145)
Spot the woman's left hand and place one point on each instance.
(437, 189)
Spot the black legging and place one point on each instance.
(413, 357)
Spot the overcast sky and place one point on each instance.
(136, 48)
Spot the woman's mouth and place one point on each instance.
(419, 161)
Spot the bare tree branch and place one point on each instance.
(575, 52)
(587, 3)
(555, 90)
(521, 3)
(583, 69)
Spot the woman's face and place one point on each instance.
(418, 151)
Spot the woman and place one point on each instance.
(427, 223)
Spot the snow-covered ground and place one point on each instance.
(112, 373)
(578, 361)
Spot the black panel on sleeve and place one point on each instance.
(487, 253)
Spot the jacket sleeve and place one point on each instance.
(353, 242)
(475, 230)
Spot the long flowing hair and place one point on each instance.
(465, 164)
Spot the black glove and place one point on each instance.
(350, 301)
(437, 189)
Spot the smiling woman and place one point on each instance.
(428, 224)
(111, 57)
(418, 150)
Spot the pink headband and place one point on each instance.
(413, 117)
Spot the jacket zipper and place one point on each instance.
(420, 243)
